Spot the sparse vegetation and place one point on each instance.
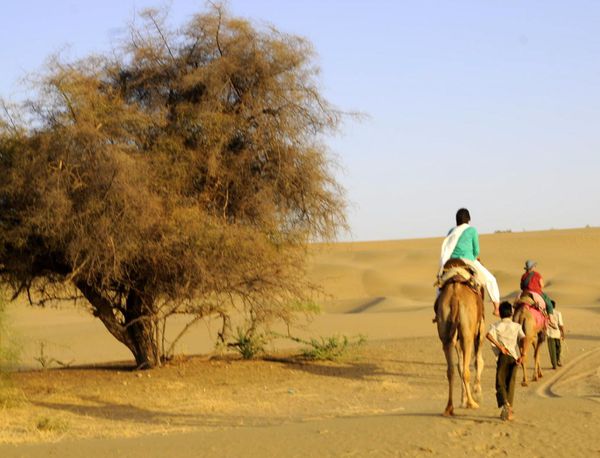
(52, 425)
(329, 348)
(248, 343)
(46, 361)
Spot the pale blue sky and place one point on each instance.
(492, 105)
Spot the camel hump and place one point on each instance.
(526, 298)
(526, 295)
(454, 262)
(458, 271)
(540, 320)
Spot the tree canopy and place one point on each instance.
(183, 172)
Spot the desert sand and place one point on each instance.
(384, 399)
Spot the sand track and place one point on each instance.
(578, 378)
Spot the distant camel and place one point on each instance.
(534, 329)
(459, 317)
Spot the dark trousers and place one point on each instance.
(506, 373)
(554, 350)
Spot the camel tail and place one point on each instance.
(478, 338)
(541, 336)
(518, 317)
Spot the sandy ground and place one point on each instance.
(385, 399)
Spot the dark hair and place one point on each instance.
(553, 304)
(462, 216)
(506, 309)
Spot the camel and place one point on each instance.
(535, 335)
(460, 323)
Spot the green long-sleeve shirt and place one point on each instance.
(467, 246)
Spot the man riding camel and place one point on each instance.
(462, 242)
(532, 282)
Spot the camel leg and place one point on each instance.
(460, 367)
(524, 361)
(449, 411)
(537, 370)
(467, 349)
(534, 375)
(538, 364)
(525, 382)
(479, 364)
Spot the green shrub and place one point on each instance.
(248, 343)
(329, 348)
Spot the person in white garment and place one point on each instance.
(555, 334)
(462, 242)
(507, 338)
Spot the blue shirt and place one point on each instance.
(467, 246)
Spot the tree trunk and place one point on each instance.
(140, 327)
(136, 333)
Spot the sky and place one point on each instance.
(489, 105)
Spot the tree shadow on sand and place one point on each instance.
(130, 413)
(141, 417)
(351, 370)
(415, 362)
(120, 366)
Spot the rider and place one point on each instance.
(532, 281)
(463, 242)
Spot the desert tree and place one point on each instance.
(184, 172)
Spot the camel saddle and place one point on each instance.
(526, 299)
(458, 271)
(541, 317)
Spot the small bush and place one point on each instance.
(54, 425)
(46, 360)
(248, 343)
(329, 348)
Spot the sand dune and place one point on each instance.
(386, 401)
(403, 271)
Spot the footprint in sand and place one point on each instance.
(459, 433)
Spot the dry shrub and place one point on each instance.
(183, 173)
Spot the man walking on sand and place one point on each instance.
(507, 338)
(555, 337)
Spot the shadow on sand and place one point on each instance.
(350, 370)
(129, 413)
